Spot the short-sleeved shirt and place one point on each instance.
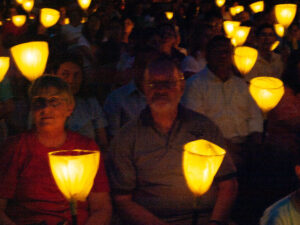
(27, 182)
(86, 117)
(148, 164)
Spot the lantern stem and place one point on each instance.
(196, 210)
(73, 211)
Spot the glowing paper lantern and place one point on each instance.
(220, 3)
(49, 17)
(234, 10)
(266, 91)
(285, 14)
(32, 17)
(240, 35)
(244, 58)
(19, 1)
(84, 20)
(279, 29)
(169, 15)
(84, 4)
(257, 7)
(4, 65)
(1, 23)
(31, 58)
(229, 27)
(74, 172)
(201, 161)
(274, 45)
(19, 20)
(28, 5)
(66, 21)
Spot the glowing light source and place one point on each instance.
(240, 35)
(4, 65)
(201, 161)
(49, 17)
(285, 14)
(230, 27)
(84, 20)
(274, 45)
(28, 5)
(266, 91)
(220, 3)
(19, 1)
(169, 15)
(244, 58)
(66, 21)
(257, 7)
(279, 29)
(84, 4)
(19, 20)
(234, 10)
(31, 58)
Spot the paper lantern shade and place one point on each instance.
(19, 20)
(28, 5)
(49, 17)
(74, 172)
(201, 161)
(234, 10)
(169, 15)
(240, 35)
(84, 4)
(279, 29)
(257, 7)
(220, 3)
(274, 45)
(4, 65)
(285, 14)
(31, 58)
(266, 91)
(244, 58)
(230, 27)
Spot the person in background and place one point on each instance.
(87, 118)
(145, 158)
(28, 192)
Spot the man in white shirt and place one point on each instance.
(224, 98)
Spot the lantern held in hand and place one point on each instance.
(285, 14)
(4, 65)
(19, 20)
(244, 58)
(49, 17)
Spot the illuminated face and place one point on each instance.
(71, 73)
(163, 91)
(50, 109)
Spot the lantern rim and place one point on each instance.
(277, 80)
(237, 48)
(221, 151)
(64, 153)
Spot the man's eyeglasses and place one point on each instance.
(41, 102)
(163, 84)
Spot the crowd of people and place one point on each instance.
(136, 85)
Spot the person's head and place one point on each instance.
(167, 35)
(265, 36)
(219, 55)
(52, 102)
(291, 74)
(69, 68)
(163, 85)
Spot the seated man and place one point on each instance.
(146, 158)
(224, 98)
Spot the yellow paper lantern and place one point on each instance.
(19, 1)
(31, 58)
(49, 17)
(244, 58)
(266, 91)
(240, 35)
(257, 7)
(230, 27)
(74, 172)
(1, 23)
(234, 10)
(4, 65)
(66, 21)
(169, 15)
(84, 20)
(220, 3)
(28, 5)
(285, 14)
(84, 4)
(279, 29)
(201, 161)
(274, 45)
(19, 20)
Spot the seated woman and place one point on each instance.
(28, 193)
